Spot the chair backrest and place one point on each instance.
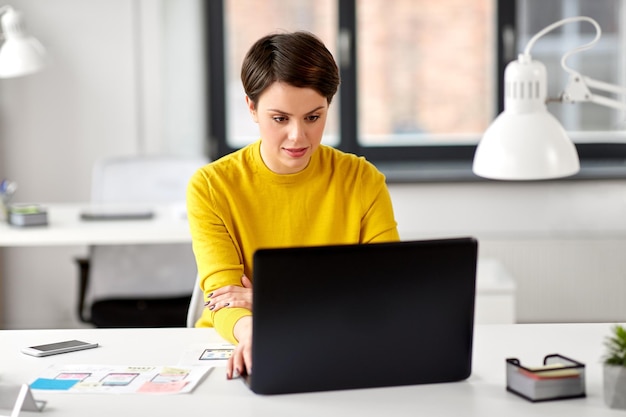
(143, 179)
(156, 270)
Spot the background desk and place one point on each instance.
(65, 228)
(45, 274)
(495, 287)
(483, 394)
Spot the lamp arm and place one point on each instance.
(608, 102)
(578, 89)
(604, 86)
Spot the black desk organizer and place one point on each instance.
(559, 378)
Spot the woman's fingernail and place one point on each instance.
(210, 295)
(226, 304)
(212, 307)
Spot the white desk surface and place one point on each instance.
(65, 228)
(483, 394)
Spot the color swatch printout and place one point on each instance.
(120, 379)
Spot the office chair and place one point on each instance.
(147, 285)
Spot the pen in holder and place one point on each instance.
(7, 189)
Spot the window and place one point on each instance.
(421, 80)
(424, 71)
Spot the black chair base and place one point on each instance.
(162, 312)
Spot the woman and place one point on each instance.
(286, 189)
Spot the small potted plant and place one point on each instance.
(615, 368)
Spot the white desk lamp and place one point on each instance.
(20, 54)
(525, 142)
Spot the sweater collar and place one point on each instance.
(297, 177)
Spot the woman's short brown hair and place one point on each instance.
(299, 59)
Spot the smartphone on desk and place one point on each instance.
(58, 347)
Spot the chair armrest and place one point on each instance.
(83, 283)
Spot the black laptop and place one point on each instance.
(360, 316)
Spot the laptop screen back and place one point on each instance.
(358, 316)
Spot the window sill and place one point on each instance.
(461, 171)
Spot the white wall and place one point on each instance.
(124, 77)
(563, 242)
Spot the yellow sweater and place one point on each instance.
(236, 205)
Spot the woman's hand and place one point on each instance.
(231, 296)
(240, 363)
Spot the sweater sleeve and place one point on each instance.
(378, 223)
(218, 257)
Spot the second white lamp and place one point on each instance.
(20, 54)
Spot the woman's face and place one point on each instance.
(291, 122)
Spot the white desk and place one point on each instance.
(65, 228)
(483, 394)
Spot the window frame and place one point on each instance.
(399, 163)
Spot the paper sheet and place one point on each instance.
(120, 379)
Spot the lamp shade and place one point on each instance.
(20, 54)
(525, 142)
(531, 146)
